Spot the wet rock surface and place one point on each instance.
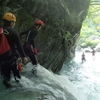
(63, 20)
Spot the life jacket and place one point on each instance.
(4, 45)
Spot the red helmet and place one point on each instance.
(1, 30)
(40, 22)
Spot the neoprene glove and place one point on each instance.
(35, 50)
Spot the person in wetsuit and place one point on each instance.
(93, 52)
(83, 57)
(9, 64)
(29, 46)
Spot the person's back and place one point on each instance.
(12, 35)
(14, 41)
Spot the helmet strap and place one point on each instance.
(12, 24)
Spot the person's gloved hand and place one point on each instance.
(35, 50)
(25, 60)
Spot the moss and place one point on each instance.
(63, 20)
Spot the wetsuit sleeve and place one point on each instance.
(18, 44)
(23, 33)
(32, 36)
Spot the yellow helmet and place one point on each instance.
(9, 16)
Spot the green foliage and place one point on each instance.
(67, 34)
(90, 43)
(91, 26)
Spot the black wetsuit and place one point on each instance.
(29, 43)
(7, 65)
(8, 59)
(14, 41)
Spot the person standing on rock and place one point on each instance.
(29, 46)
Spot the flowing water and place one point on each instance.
(78, 81)
(85, 76)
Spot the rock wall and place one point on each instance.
(63, 20)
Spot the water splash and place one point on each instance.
(45, 86)
(85, 76)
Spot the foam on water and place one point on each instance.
(45, 86)
(86, 75)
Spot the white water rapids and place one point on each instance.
(45, 86)
(85, 76)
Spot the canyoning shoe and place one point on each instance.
(17, 79)
(34, 70)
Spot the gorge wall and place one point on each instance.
(63, 19)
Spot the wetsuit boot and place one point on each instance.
(34, 70)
